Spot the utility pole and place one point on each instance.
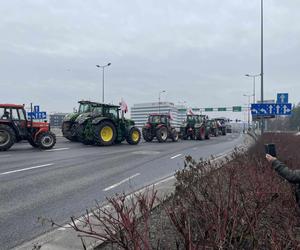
(262, 63)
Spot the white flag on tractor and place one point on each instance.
(190, 111)
(123, 106)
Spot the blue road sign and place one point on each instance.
(282, 98)
(36, 114)
(267, 109)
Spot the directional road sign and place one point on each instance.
(267, 109)
(208, 109)
(36, 114)
(237, 109)
(221, 109)
(282, 98)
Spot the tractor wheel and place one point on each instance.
(174, 135)
(46, 140)
(73, 131)
(224, 131)
(216, 133)
(7, 137)
(134, 136)
(162, 134)
(105, 133)
(207, 136)
(33, 143)
(78, 131)
(200, 133)
(147, 135)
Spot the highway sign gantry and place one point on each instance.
(267, 109)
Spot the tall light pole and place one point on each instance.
(262, 60)
(159, 100)
(253, 76)
(103, 66)
(249, 96)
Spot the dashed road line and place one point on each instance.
(121, 182)
(56, 149)
(175, 156)
(26, 169)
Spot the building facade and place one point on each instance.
(140, 112)
(56, 119)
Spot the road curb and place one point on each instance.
(67, 238)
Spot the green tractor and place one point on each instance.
(69, 126)
(105, 125)
(195, 128)
(159, 126)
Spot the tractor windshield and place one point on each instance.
(194, 118)
(84, 107)
(154, 119)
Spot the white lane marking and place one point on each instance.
(175, 156)
(121, 182)
(25, 169)
(56, 149)
(164, 180)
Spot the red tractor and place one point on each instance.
(15, 127)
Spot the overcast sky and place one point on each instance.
(196, 50)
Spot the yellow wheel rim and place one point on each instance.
(135, 136)
(106, 133)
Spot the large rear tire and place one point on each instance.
(200, 133)
(147, 135)
(134, 136)
(105, 133)
(7, 137)
(174, 135)
(162, 134)
(46, 140)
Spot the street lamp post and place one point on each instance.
(103, 66)
(253, 76)
(248, 108)
(159, 100)
(262, 61)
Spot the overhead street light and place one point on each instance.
(103, 66)
(159, 100)
(253, 76)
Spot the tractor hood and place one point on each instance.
(130, 122)
(70, 117)
(83, 117)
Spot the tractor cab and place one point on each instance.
(15, 127)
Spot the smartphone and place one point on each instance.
(271, 149)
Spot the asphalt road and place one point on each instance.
(65, 181)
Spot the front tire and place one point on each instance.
(105, 133)
(7, 137)
(134, 136)
(147, 135)
(46, 140)
(174, 135)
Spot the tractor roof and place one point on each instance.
(98, 104)
(11, 105)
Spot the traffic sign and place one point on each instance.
(221, 109)
(282, 98)
(267, 109)
(208, 109)
(236, 109)
(36, 114)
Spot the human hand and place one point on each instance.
(270, 158)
